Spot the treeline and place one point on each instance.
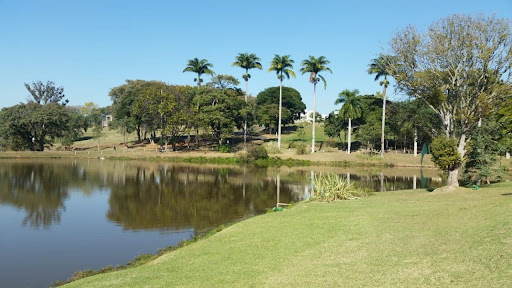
(153, 110)
(183, 113)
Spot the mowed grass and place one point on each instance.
(395, 239)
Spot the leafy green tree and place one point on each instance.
(381, 67)
(290, 99)
(219, 111)
(283, 66)
(223, 82)
(199, 67)
(333, 126)
(44, 94)
(459, 68)
(75, 126)
(124, 98)
(445, 155)
(482, 154)
(351, 109)
(314, 66)
(31, 126)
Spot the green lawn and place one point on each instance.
(395, 239)
(289, 133)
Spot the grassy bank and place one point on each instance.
(404, 238)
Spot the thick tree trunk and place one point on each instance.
(349, 134)
(314, 116)
(453, 175)
(453, 178)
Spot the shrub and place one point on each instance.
(331, 143)
(444, 153)
(332, 187)
(302, 149)
(257, 152)
(224, 148)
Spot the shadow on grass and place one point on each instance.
(506, 194)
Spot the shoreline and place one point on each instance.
(419, 206)
(325, 159)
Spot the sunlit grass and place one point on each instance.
(393, 239)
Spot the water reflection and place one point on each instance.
(39, 189)
(175, 197)
(160, 196)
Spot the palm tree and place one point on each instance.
(314, 66)
(282, 65)
(352, 108)
(200, 67)
(247, 61)
(380, 67)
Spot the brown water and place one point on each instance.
(60, 216)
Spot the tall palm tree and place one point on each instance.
(380, 67)
(282, 65)
(200, 67)
(314, 66)
(247, 61)
(352, 108)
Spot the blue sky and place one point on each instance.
(91, 46)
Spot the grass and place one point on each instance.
(395, 239)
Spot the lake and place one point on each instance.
(63, 215)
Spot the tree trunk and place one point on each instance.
(349, 134)
(314, 116)
(245, 116)
(415, 143)
(138, 133)
(383, 120)
(280, 109)
(453, 178)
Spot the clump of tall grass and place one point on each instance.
(332, 187)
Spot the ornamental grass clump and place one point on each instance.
(332, 187)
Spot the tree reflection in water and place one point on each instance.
(39, 189)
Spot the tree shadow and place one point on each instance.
(506, 194)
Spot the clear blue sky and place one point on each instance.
(91, 46)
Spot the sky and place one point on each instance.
(89, 47)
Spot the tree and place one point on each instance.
(247, 61)
(31, 126)
(44, 94)
(314, 66)
(380, 67)
(283, 66)
(333, 126)
(124, 98)
(223, 82)
(351, 109)
(459, 68)
(199, 67)
(291, 100)
(219, 111)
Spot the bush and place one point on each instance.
(444, 153)
(332, 187)
(331, 143)
(302, 149)
(257, 152)
(224, 148)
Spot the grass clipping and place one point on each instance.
(332, 187)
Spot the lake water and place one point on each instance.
(60, 216)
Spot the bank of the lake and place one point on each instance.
(287, 157)
(404, 238)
